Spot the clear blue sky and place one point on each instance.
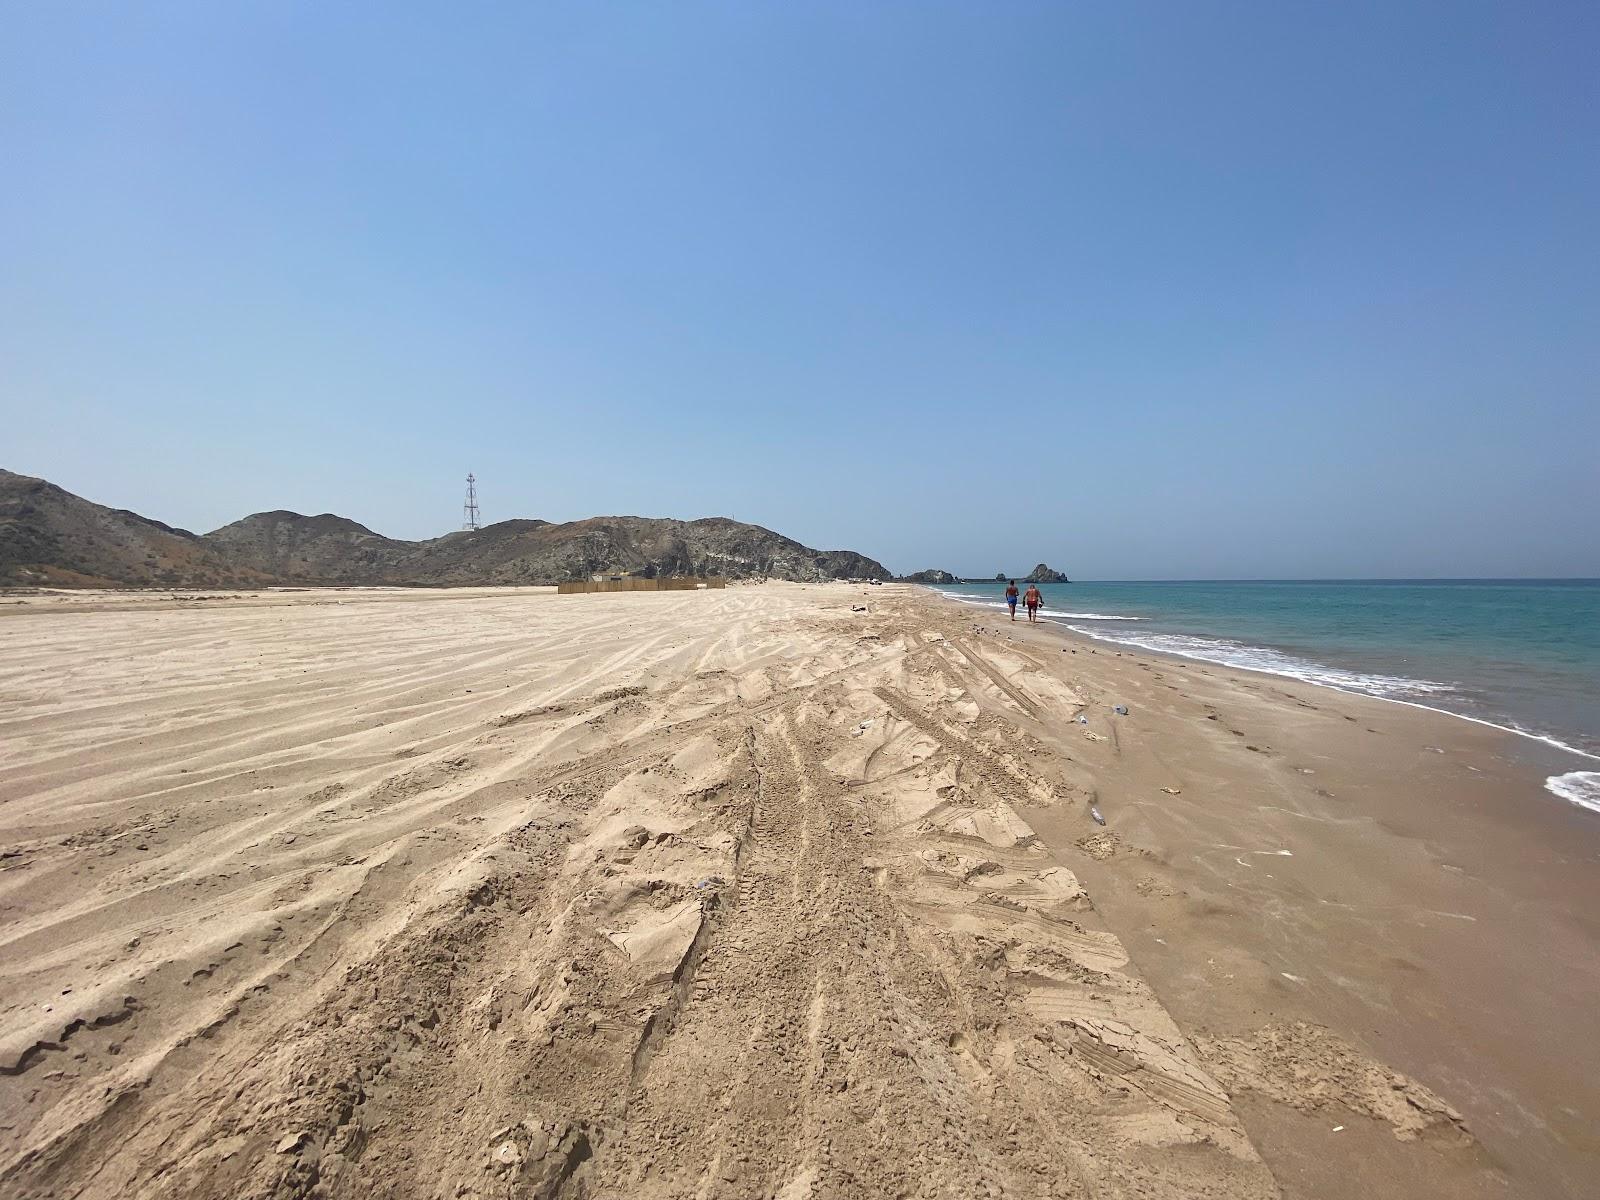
(1142, 290)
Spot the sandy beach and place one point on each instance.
(748, 893)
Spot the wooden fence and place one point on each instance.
(638, 585)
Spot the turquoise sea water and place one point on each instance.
(1522, 654)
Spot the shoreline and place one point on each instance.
(1444, 819)
(1550, 740)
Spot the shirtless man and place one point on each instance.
(1032, 598)
(1011, 598)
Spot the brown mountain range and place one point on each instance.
(48, 536)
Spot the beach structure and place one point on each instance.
(624, 582)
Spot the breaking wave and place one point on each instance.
(1273, 662)
(1580, 787)
(1398, 689)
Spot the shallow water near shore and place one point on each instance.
(1521, 654)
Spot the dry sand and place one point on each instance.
(746, 894)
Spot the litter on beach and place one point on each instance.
(1095, 813)
(1173, 791)
(1120, 709)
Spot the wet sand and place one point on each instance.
(495, 892)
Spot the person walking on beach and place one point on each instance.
(1011, 598)
(1033, 597)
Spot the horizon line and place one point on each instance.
(1312, 579)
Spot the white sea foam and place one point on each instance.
(1095, 617)
(1273, 662)
(1393, 688)
(1580, 787)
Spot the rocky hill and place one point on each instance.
(1043, 574)
(929, 576)
(286, 545)
(331, 549)
(50, 536)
